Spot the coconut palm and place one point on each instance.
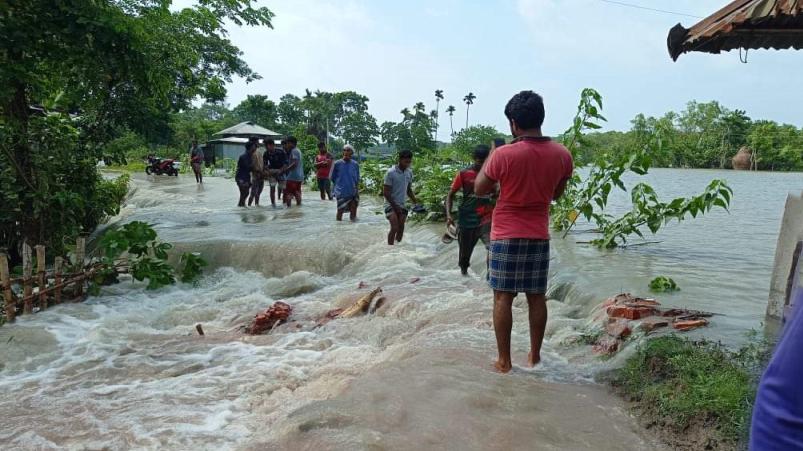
(469, 99)
(438, 98)
(451, 109)
(406, 113)
(419, 107)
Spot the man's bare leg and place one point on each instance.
(394, 228)
(400, 231)
(537, 315)
(339, 216)
(503, 324)
(273, 195)
(353, 211)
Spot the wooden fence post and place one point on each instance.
(57, 270)
(5, 280)
(40, 269)
(27, 283)
(80, 252)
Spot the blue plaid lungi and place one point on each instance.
(518, 265)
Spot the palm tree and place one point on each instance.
(406, 113)
(469, 99)
(419, 107)
(438, 98)
(451, 109)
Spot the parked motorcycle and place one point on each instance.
(159, 166)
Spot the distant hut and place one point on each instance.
(743, 160)
(230, 142)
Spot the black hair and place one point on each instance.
(481, 151)
(405, 154)
(248, 145)
(270, 141)
(499, 142)
(526, 109)
(292, 140)
(321, 144)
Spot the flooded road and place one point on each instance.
(127, 370)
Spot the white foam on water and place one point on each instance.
(128, 370)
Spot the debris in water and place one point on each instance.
(624, 311)
(360, 307)
(362, 285)
(200, 329)
(689, 324)
(415, 280)
(277, 314)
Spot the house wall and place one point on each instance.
(791, 232)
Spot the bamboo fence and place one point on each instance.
(54, 285)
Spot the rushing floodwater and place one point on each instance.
(127, 370)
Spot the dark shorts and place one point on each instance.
(467, 239)
(324, 184)
(518, 265)
(389, 210)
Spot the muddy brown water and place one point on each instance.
(126, 370)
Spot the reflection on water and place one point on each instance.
(127, 369)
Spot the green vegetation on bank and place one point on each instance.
(680, 385)
(706, 135)
(79, 75)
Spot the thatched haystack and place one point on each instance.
(743, 159)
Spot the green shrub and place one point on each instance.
(663, 284)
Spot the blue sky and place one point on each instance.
(398, 53)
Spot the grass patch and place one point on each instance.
(679, 384)
(132, 166)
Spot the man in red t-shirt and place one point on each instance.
(323, 166)
(474, 213)
(532, 171)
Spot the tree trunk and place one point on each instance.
(467, 108)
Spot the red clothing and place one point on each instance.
(528, 171)
(325, 169)
(484, 208)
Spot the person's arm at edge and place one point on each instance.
(357, 181)
(562, 184)
(449, 200)
(411, 194)
(387, 193)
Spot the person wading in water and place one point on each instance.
(323, 170)
(474, 219)
(295, 172)
(346, 177)
(531, 172)
(197, 161)
(243, 174)
(275, 161)
(397, 187)
(257, 175)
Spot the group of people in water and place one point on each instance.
(506, 195)
(283, 168)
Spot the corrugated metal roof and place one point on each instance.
(748, 24)
(247, 129)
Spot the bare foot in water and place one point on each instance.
(533, 360)
(502, 367)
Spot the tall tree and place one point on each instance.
(438, 98)
(451, 109)
(120, 65)
(258, 109)
(469, 99)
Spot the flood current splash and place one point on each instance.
(127, 369)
